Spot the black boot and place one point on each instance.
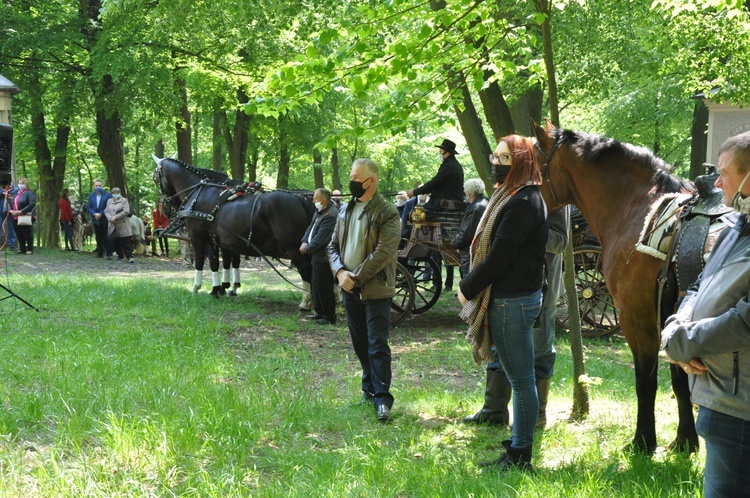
(519, 458)
(496, 398)
(542, 390)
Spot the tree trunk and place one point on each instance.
(183, 125)
(580, 389)
(318, 170)
(529, 105)
(699, 135)
(282, 178)
(237, 139)
(473, 132)
(496, 110)
(335, 174)
(545, 7)
(217, 153)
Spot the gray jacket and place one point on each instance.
(713, 324)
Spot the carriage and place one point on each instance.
(419, 281)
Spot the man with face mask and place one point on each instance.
(315, 242)
(448, 182)
(709, 336)
(363, 254)
(96, 205)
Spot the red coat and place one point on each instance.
(160, 220)
(66, 212)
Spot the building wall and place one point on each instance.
(724, 121)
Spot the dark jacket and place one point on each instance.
(462, 240)
(376, 276)
(92, 207)
(448, 183)
(321, 227)
(514, 264)
(26, 203)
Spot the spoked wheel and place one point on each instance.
(428, 282)
(403, 301)
(599, 317)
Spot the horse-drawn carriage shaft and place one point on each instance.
(614, 185)
(229, 216)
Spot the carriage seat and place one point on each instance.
(450, 211)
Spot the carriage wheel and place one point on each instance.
(428, 283)
(599, 317)
(403, 301)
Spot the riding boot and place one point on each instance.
(519, 458)
(542, 390)
(496, 398)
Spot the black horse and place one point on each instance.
(221, 213)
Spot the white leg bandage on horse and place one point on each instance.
(236, 276)
(216, 278)
(197, 280)
(306, 303)
(225, 275)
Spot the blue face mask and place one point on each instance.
(99, 190)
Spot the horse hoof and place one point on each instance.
(196, 289)
(226, 285)
(232, 293)
(640, 447)
(687, 447)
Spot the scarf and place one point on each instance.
(474, 311)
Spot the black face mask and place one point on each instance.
(356, 188)
(499, 172)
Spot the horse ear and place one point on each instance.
(548, 124)
(174, 156)
(156, 159)
(539, 132)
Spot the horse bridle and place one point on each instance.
(547, 159)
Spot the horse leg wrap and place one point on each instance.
(306, 303)
(225, 278)
(197, 280)
(236, 277)
(217, 290)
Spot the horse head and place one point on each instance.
(165, 187)
(551, 160)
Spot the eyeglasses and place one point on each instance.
(500, 159)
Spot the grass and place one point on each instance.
(125, 384)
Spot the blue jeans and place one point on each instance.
(369, 326)
(727, 454)
(511, 324)
(68, 233)
(544, 343)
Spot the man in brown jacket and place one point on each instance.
(363, 254)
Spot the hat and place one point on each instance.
(448, 145)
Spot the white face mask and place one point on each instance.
(319, 206)
(22, 186)
(440, 156)
(740, 204)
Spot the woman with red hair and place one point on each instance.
(502, 294)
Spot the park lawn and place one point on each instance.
(126, 384)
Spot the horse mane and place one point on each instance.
(209, 174)
(599, 149)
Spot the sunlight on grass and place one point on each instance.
(129, 385)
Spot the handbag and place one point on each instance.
(24, 220)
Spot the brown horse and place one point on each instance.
(614, 185)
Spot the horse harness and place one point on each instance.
(547, 159)
(684, 261)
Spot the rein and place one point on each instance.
(547, 160)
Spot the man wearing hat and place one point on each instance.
(447, 184)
